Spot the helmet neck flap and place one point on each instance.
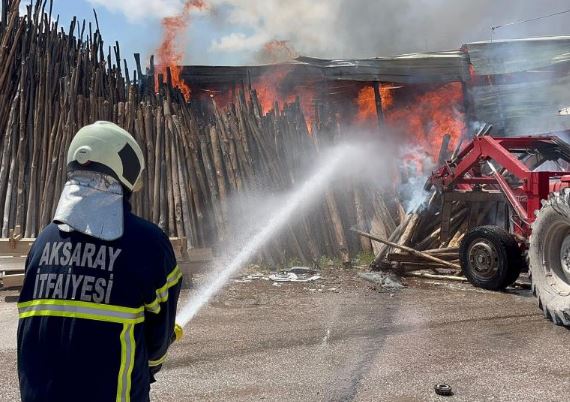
(91, 203)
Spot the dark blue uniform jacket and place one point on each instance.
(96, 317)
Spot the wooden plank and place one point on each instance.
(200, 255)
(12, 281)
(473, 214)
(444, 150)
(179, 246)
(12, 264)
(20, 248)
(408, 249)
(401, 257)
(16, 248)
(440, 277)
(445, 219)
(379, 109)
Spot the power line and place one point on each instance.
(529, 20)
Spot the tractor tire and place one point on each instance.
(549, 257)
(490, 257)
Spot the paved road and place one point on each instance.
(347, 342)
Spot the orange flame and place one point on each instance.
(367, 102)
(429, 116)
(169, 56)
(277, 51)
(423, 119)
(267, 88)
(270, 89)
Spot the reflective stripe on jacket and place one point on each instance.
(96, 317)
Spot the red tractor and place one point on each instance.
(530, 175)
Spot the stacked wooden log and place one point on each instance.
(421, 230)
(54, 81)
(430, 236)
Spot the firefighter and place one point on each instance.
(99, 299)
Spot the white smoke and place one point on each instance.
(138, 11)
(354, 28)
(298, 22)
(415, 166)
(366, 28)
(238, 42)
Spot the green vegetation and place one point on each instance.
(364, 258)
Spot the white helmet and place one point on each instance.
(106, 148)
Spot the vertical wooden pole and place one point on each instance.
(378, 100)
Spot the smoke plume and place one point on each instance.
(353, 28)
(368, 28)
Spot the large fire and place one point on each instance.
(422, 119)
(168, 55)
(429, 116)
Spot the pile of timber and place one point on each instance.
(422, 230)
(54, 81)
(429, 237)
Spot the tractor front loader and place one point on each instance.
(530, 174)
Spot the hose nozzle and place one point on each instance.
(178, 332)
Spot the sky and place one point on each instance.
(233, 32)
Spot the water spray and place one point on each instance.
(342, 156)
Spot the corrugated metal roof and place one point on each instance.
(408, 68)
(524, 108)
(431, 67)
(487, 58)
(518, 55)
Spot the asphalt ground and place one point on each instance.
(340, 339)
